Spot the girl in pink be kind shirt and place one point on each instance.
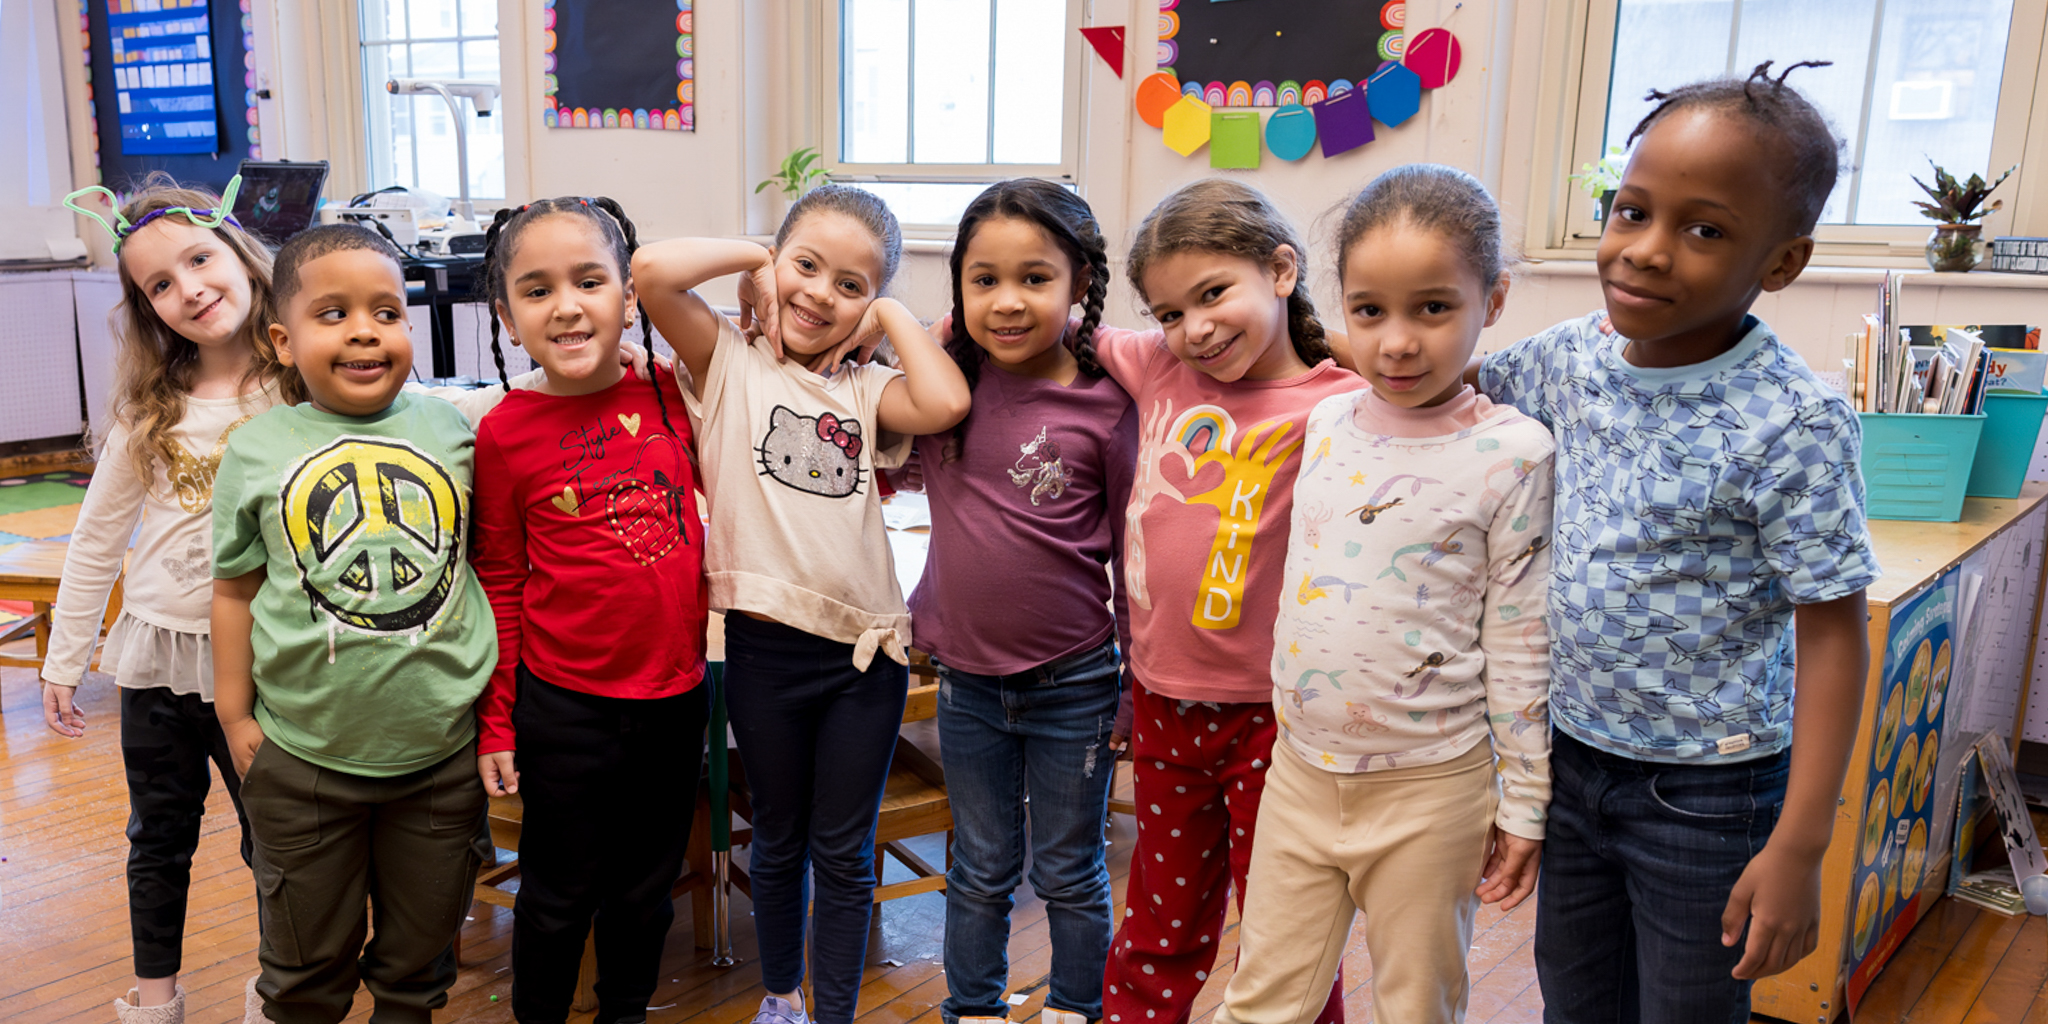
(1223, 392)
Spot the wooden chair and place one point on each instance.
(914, 801)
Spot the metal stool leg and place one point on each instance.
(721, 825)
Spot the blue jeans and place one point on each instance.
(816, 736)
(1042, 732)
(1638, 861)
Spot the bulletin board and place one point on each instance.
(228, 88)
(620, 64)
(1899, 809)
(1269, 45)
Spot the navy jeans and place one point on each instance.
(816, 736)
(1042, 732)
(1638, 861)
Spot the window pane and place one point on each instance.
(479, 17)
(875, 81)
(382, 19)
(1936, 95)
(926, 203)
(950, 58)
(1030, 92)
(431, 19)
(1933, 90)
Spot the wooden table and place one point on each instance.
(2000, 542)
(29, 572)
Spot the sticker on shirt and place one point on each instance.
(375, 527)
(817, 454)
(1202, 437)
(1039, 469)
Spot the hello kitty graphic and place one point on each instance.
(818, 454)
(1039, 468)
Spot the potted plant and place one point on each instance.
(800, 172)
(1601, 178)
(1958, 207)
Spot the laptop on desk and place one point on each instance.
(279, 198)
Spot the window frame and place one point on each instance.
(374, 120)
(1561, 225)
(830, 50)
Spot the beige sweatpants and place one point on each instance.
(1404, 845)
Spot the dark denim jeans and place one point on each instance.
(1043, 732)
(1638, 861)
(816, 736)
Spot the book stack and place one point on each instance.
(1942, 368)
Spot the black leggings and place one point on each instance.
(610, 784)
(816, 736)
(166, 740)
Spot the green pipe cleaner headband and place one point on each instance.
(120, 229)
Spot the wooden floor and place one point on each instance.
(64, 929)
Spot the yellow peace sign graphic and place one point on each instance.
(376, 528)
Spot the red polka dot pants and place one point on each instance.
(1198, 771)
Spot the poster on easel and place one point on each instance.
(619, 64)
(1898, 814)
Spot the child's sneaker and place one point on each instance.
(1052, 1016)
(173, 1012)
(777, 1010)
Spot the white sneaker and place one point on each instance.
(776, 1010)
(1052, 1016)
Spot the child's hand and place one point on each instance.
(243, 739)
(757, 294)
(63, 717)
(496, 768)
(1778, 896)
(1510, 872)
(633, 356)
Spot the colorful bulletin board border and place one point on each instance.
(1301, 62)
(1898, 815)
(609, 102)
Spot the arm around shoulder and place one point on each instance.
(931, 396)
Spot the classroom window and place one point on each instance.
(410, 140)
(1950, 80)
(929, 107)
(1911, 79)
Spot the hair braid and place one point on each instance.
(632, 236)
(494, 277)
(1304, 328)
(1097, 253)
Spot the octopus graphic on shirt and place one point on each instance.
(1203, 445)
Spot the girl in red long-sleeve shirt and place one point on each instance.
(590, 548)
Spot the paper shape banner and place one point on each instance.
(1234, 139)
(1187, 125)
(1291, 132)
(1108, 41)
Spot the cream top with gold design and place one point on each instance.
(170, 569)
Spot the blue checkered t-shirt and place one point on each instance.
(1695, 506)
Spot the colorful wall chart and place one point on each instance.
(162, 61)
(1331, 67)
(1891, 850)
(118, 44)
(619, 64)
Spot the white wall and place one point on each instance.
(757, 97)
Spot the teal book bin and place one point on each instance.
(2012, 425)
(1917, 465)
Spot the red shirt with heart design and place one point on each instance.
(589, 545)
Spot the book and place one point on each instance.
(1994, 335)
(2016, 371)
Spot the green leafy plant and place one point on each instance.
(1958, 202)
(800, 172)
(1604, 175)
